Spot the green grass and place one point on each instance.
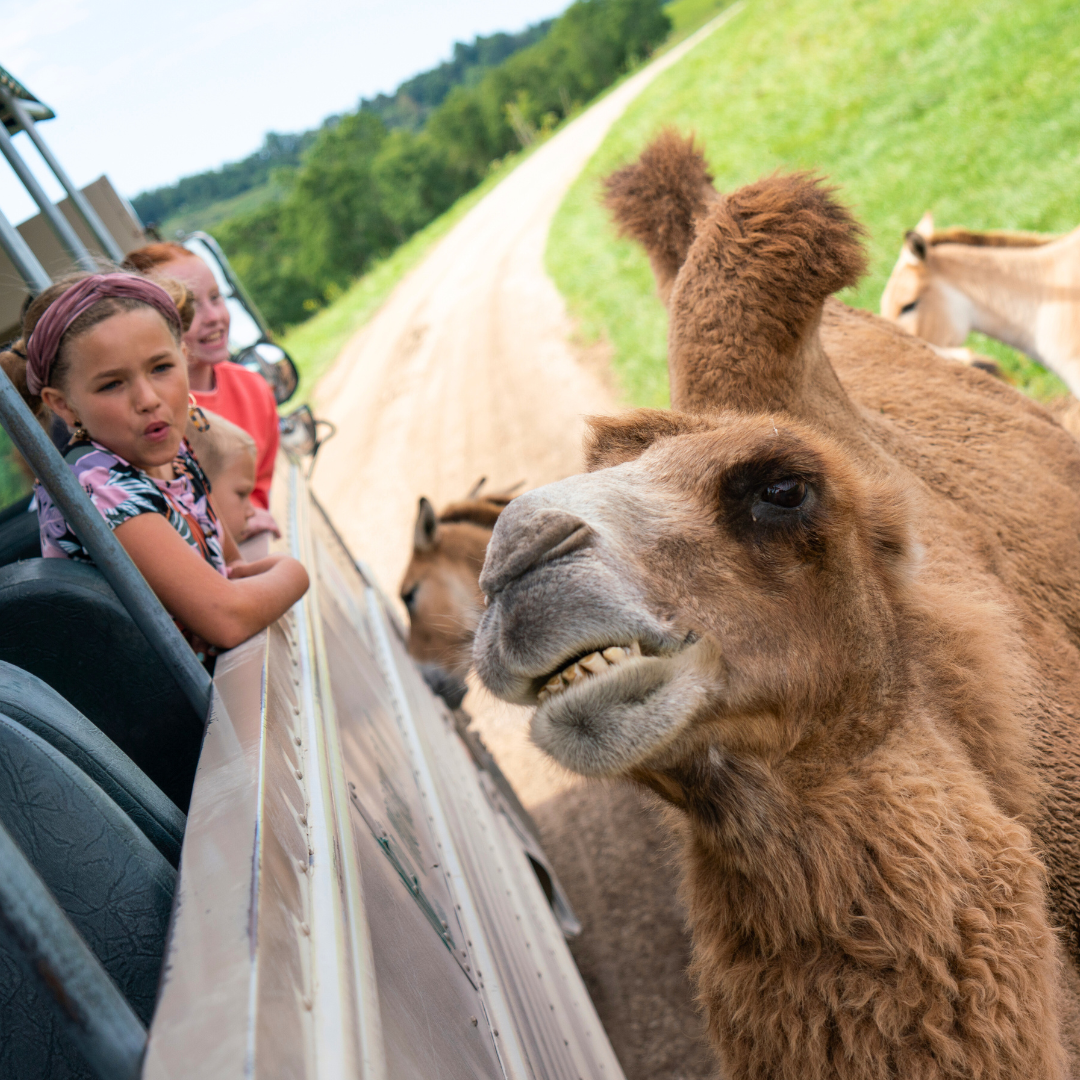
(967, 108)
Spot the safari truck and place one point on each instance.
(304, 866)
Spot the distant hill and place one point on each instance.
(190, 202)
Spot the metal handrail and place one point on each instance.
(106, 551)
(85, 999)
(22, 258)
(60, 224)
(82, 204)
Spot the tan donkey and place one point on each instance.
(828, 610)
(1021, 288)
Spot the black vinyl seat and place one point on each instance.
(38, 707)
(62, 622)
(110, 880)
(19, 534)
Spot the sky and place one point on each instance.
(148, 91)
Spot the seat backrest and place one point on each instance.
(62, 622)
(20, 537)
(113, 884)
(35, 705)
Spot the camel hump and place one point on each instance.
(785, 243)
(748, 298)
(657, 199)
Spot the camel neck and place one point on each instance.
(812, 899)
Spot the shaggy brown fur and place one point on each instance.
(657, 200)
(998, 480)
(841, 701)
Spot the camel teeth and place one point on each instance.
(573, 673)
(554, 684)
(635, 649)
(543, 695)
(594, 662)
(616, 654)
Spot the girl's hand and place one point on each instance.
(251, 569)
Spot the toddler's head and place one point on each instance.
(104, 352)
(227, 455)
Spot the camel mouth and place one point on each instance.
(595, 664)
(586, 666)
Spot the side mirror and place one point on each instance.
(274, 364)
(300, 436)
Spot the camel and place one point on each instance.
(827, 610)
(609, 849)
(1021, 288)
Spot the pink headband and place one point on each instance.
(44, 342)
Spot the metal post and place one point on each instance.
(60, 224)
(82, 204)
(106, 551)
(85, 999)
(23, 259)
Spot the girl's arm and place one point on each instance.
(222, 611)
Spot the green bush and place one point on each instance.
(361, 189)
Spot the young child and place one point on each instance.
(104, 353)
(227, 455)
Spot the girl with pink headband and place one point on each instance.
(104, 353)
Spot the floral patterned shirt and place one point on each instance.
(120, 492)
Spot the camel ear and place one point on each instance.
(427, 527)
(925, 228)
(657, 200)
(613, 440)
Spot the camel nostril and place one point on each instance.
(522, 541)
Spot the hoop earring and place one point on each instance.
(80, 434)
(196, 415)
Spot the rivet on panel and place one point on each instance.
(301, 866)
(299, 774)
(307, 1002)
(473, 1021)
(306, 930)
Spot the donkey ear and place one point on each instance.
(427, 527)
(612, 440)
(916, 244)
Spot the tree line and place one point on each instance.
(364, 186)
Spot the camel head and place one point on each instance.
(723, 581)
(744, 275)
(440, 589)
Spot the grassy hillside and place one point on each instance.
(968, 108)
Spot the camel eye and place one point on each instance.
(787, 493)
(907, 309)
(409, 598)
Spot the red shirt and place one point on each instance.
(244, 398)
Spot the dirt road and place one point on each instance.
(466, 371)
